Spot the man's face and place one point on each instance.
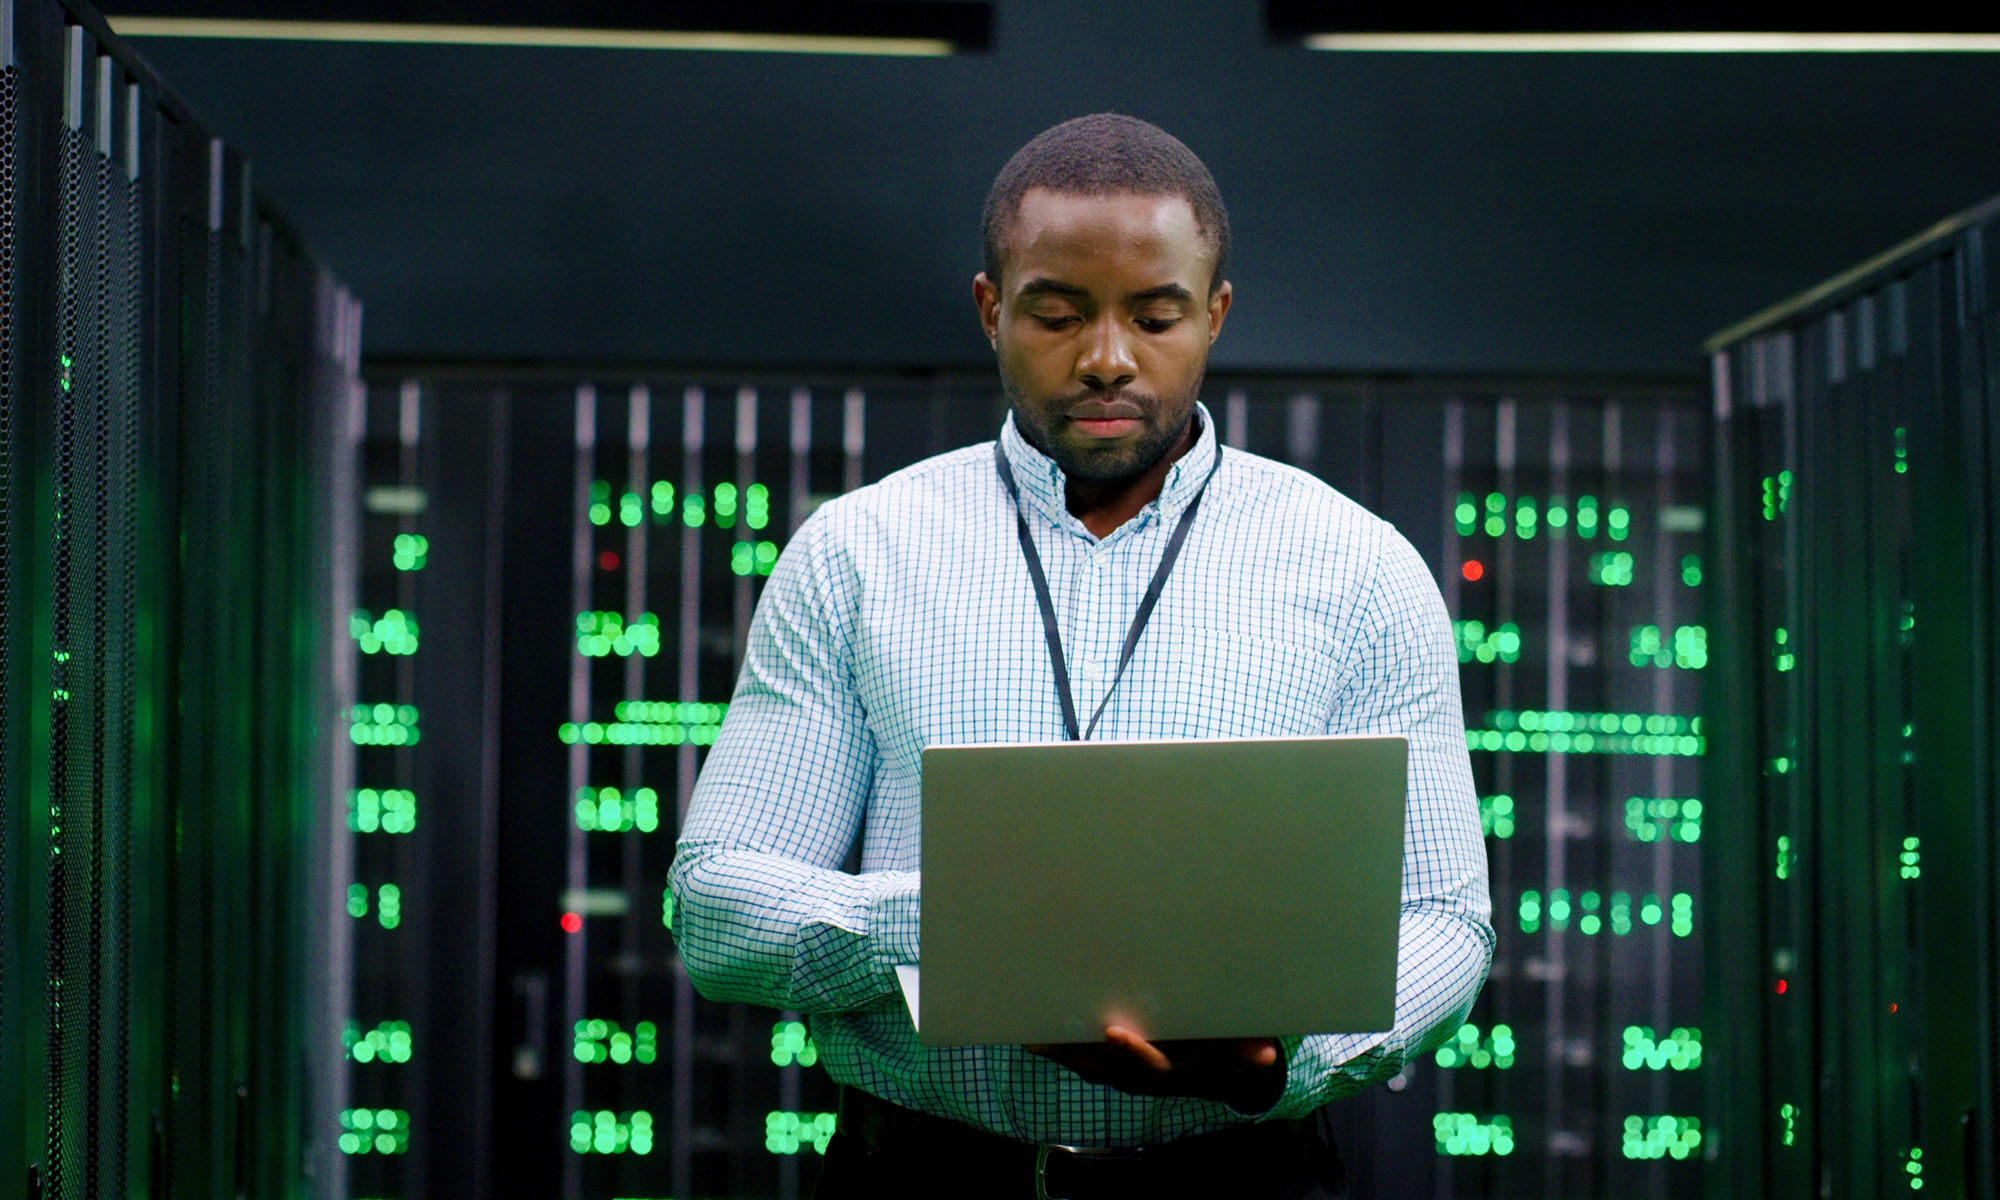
(1102, 323)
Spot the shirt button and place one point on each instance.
(1091, 669)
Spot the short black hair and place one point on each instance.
(1100, 154)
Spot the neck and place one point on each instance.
(1105, 504)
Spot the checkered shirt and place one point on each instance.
(901, 615)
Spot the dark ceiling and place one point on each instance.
(1515, 213)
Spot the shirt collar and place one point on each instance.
(1041, 480)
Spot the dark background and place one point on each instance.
(1578, 213)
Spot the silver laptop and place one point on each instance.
(1187, 889)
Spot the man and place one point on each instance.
(907, 613)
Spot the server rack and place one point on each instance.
(1854, 489)
(624, 527)
(170, 365)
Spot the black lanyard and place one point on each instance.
(1139, 619)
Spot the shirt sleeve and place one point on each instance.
(763, 912)
(1406, 683)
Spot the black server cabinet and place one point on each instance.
(1854, 491)
(610, 537)
(170, 363)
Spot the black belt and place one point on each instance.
(923, 1144)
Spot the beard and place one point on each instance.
(1161, 430)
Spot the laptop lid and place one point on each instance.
(1186, 888)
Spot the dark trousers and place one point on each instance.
(854, 1170)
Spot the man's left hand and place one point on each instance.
(1247, 1074)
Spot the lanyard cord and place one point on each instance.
(1139, 619)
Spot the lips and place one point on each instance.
(1105, 418)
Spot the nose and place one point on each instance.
(1106, 362)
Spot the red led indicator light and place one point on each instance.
(1472, 569)
(608, 561)
(1892, 1006)
(1781, 987)
(573, 923)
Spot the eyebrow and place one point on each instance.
(1044, 286)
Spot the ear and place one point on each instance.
(1218, 308)
(986, 297)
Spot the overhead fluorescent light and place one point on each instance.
(525, 35)
(1660, 43)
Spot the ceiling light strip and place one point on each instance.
(1662, 43)
(521, 35)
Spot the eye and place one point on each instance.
(1063, 321)
(1158, 324)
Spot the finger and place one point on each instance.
(1138, 1048)
(1258, 1052)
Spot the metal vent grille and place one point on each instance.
(9, 87)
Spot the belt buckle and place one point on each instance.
(1043, 1150)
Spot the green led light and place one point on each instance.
(600, 502)
(1777, 491)
(602, 634)
(395, 632)
(411, 551)
(753, 558)
(1586, 516)
(1621, 914)
(388, 1042)
(607, 810)
(383, 725)
(1691, 570)
(1786, 858)
(1661, 1137)
(1468, 1049)
(381, 810)
(1913, 1162)
(1496, 503)
(1460, 1133)
(1663, 820)
(1611, 568)
(604, 1132)
(1588, 733)
(1688, 649)
(1619, 524)
(1911, 857)
(1524, 518)
(631, 510)
(1679, 1050)
(389, 905)
(1496, 816)
(662, 497)
(374, 1131)
(636, 733)
(789, 1132)
(789, 1044)
(1465, 515)
(1477, 644)
(1787, 1113)
(1781, 650)
(357, 900)
(599, 1041)
(1557, 516)
(667, 908)
(694, 511)
(1596, 913)
(1902, 450)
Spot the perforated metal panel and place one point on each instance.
(168, 401)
